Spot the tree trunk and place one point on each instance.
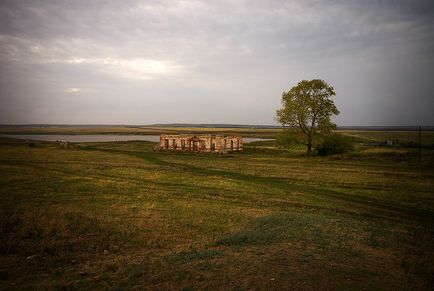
(309, 145)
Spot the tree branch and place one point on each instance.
(302, 126)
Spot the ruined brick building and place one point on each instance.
(200, 143)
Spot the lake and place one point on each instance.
(99, 137)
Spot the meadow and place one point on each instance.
(120, 216)
(138, 130)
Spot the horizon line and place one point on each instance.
(194, 124)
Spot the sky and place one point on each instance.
(146, 62)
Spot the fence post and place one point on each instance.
(420, 129)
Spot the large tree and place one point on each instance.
(308, 108)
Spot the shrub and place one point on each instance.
(335, 144)
(287, 138)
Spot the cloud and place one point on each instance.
(137, 68)
(229, 59)
(72, 90)
(81, 52)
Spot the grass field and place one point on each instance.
(120, 216)
(139, 130)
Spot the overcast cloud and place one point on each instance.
(142, 62)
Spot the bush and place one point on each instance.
(335, 144)
(287, 138)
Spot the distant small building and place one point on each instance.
(200, 143)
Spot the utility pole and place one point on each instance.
(420, 129)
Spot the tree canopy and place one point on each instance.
(308, 108)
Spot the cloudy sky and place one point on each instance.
(143, 62)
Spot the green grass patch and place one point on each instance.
(121, 216)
